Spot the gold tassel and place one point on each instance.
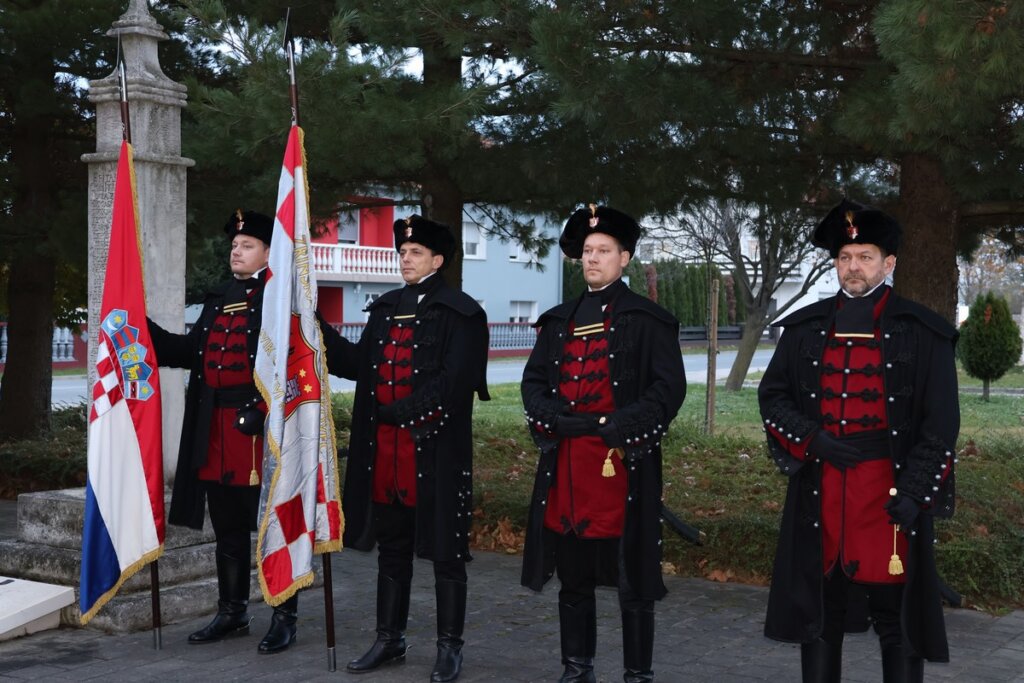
(895, 563)
(609, 468)
(254, 477)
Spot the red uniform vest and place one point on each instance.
(855, 527)
(582, 500)
(231, 456)
(394, 471)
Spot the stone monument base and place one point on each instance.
(48, 549)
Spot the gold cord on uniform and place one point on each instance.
(895, 563)
(254, 477)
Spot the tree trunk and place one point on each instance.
(752, 331)
(445, 206)
(984, 390)
(442, 197)
(25, 392)
(28, 374)
(926, 269)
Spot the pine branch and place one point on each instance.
(741, 56)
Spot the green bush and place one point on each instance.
(54, 461)
(990, 342)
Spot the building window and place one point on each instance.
(522, 311)
(474, 247)
(518, 254)
(348, 226)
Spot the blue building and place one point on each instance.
(356, 262)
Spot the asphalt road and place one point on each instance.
(73, 389)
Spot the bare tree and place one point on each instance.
(765, 248)
(992, 269)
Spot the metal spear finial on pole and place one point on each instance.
(289, 50)
(122, 86)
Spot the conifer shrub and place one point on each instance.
(990, 341)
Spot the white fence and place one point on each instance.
(63, 344)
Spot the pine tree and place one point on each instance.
(50, 49)
(990, 340)
(901, 104)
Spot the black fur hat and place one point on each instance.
(250, 223)
(850, 222)
(598, 219)
(434, 236)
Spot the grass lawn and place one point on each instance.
(726, 486)
(723, 484)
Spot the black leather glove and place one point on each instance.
(609, 431)
(575, 424)
(903, 510)
(839, 454)
(387, 414)
(249, 421)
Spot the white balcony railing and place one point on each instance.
(351, 262)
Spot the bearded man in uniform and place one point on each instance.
(860, 406)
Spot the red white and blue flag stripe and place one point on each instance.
(300, 504)
(124, 494)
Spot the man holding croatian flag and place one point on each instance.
(220, 459)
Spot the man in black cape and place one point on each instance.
(602, 384)
(860, 406)
(409, 477)
(220, 458)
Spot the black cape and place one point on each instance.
(188, 497)
(922, 408)
(648, 386)
(450, 344)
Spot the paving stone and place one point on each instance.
(705, 632)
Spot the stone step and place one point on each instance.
(133, 611)
(49, 548)
(55, 518)
(29, 606)
(63, 566)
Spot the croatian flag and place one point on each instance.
(124, 495)
(300, 504)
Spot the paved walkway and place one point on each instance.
(705, 632)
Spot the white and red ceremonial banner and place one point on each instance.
(124, 493)
(300, 504)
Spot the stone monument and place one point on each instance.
(155, 103)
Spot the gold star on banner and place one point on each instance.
(118, 319)
(145, 391)
(307, 388)
(302, 373)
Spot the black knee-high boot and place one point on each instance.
(282, 630)
(898, 668)
(578, 630)
(821, 661)
(232, 606)
(451, 617)
(638, 644)
(392, 617)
